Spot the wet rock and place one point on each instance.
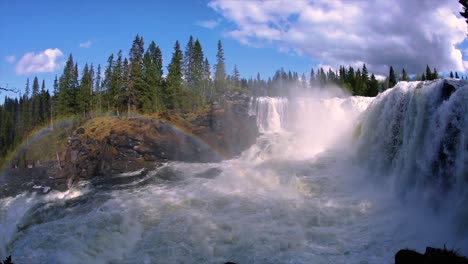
(447, 90)
(431, 256)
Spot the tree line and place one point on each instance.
(136, 84)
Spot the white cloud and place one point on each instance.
(10, 58)
(208, 23)
(380, 33)
(86, 44)
(44, 61)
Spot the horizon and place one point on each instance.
(258, 36)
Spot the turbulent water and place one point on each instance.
(330, 180)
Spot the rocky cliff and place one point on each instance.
(110, 145)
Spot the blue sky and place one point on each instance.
(258, 36)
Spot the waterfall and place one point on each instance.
(315, 188)
(270, 112)
(417, 134)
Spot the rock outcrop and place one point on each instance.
(111, 145)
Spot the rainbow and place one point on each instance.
(221, 154)
(29, 139)
(42, 131)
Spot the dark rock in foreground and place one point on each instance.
(431, 256)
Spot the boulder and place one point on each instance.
(431, 256)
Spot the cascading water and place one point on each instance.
(313, 189)
(416, 134)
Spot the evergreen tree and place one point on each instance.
(174, 95)
(312, 82)
(236, 77)
(435, 74)
(404, 75)
(85, 92)
(220, 71)
(451, 74)
(114, 84)
(373, 86)
(391, 78)
(429, 74)
(456, 75)
(35, 106)
(187, 66)
(128, 94)
(136, 85)
(43, 103)
(98, 91)
(303, 81)
(157, 66)
(107, 83)
(207, 85)
(152, 98)
(66, 94)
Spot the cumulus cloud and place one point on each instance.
(10, 58)
(44, 61)
(380, 33)
(208, 23)
(86, 44)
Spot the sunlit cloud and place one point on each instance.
(44, 61)
(380, 33)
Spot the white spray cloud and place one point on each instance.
(380, 33)
(44, 61)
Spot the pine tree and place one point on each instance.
(312, 82)
(373, 87)
(85, 92)
(26, 110)
(136, 86)
(187, 66)
(404, 75)
(429, 74)
(391, 78)
(303, 81)
(152, 77)
(53, 104)
(456, 75)
(43, 103)
(65, 99)
(451, 74)
(114, 88)
(220, 71)
(107, 83)
(35, 106)
(98, 91)
(128, 94)
(236, 77)
(207, 85)
(174, 94)
(435, 74)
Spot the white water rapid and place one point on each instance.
(330, 180)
